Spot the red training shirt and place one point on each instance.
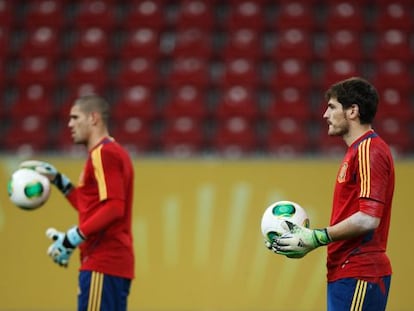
(365, 182)
(103, 199)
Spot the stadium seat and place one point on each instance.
(36, 70)
(186, 101)
(91, 42)
(394, 103)
(34, 100)
(246, 14)
(234, 137)
(287, 137)
(243, 43)
(27, 135)
(182, 137)
(239, 71)
(138, 71)
(145, 14)
(343, 43)
(186, 71)
(7, 14)
(396, 133)
(289, 102)
(192, 42)
(295, 14)
(135, 101)
(293, 43)
(392, 44)
(338, 70)
(95, 13)
(329, 146)
(134, 134)
(86, 75)
(393, 15)
(393, 73)
(140, 42)
(194, 13)
(41, 41)
(50, 13)
(236, 101)
(345, 15)
(291, 72)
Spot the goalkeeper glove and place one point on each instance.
(64, 244)
(299, 241)
(58, 179)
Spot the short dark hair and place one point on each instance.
(94, 103)
(356, 91)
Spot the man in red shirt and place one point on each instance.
(103, 199)
(359, 271)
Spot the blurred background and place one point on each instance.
(198, 77)
(220, 104)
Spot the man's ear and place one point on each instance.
(94, 117)
(354, 111)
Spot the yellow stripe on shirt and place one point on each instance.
(364, 168)
(99, 172)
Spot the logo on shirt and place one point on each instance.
(342, 172)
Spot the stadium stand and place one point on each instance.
(174, 71)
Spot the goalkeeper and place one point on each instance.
(103, 200)
(359, 270)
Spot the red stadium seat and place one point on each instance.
(138, 71)
(292, 72)
(95, 13)
(4, 42)
(145, 14)
(393, 73)
(186, 101)
(134, 134)
(345, 15)
(239, 71)
(7, 13)
(91, 42)
(192, 42)
(182, 137)
(246, 14)
(41, 41)
(289, 102)
(34, 100)
(394, 15)
(141, 42)
(237, 101)
(394, 103)
(135, 101)
(293, 43)
(287, 137)
(329, 146)
(243, 43)
(87, 75)
(186, 71)
(48, 13)
(36, 70)
(396, 133)
(392, 44)
(295, 14)
(235, 137)
(343, 43)
(27, 135)
(194, 13)
(338, 70)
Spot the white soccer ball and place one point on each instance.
(278, 212)
(28, 189)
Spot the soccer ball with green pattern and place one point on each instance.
(278, 212)
(28, 189)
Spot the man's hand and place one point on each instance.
(64, 244)
(299, 241)
(46, 169)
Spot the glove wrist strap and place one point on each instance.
(322, 236)
(62, 183)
